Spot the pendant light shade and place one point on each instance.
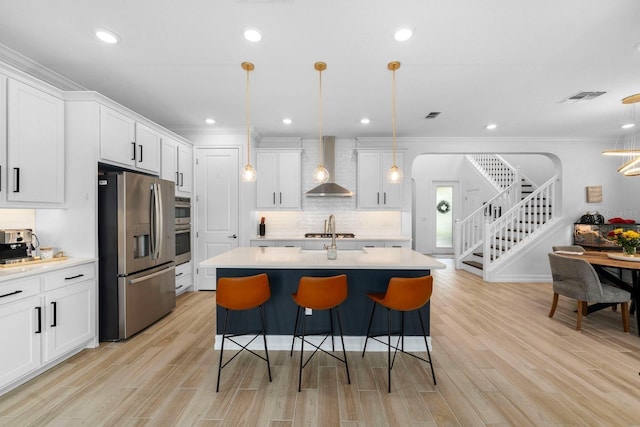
(394, 174)
(320, 174)
(249, 173)
(630, 151)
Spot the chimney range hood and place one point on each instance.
(329, 189)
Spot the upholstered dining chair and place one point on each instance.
(568, 248)
(576, 278)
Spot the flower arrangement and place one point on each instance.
(628, 239)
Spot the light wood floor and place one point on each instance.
(499, 360)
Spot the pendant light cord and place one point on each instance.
(320, 116)
(248, 111)
(393, 113)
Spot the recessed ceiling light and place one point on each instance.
(252, 34)
(491, 126)
(627, 125)
(209, 121)
(287, 121)
(403, 34)
(365, 121)
(107, 36)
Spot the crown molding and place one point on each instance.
(25, 65)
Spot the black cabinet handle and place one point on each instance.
(10, 293)
(16, 186)
(179, 274)
(280, 198)
(134, 150)
(140, 153)
(177, 179)
(74, 277)
(378, 201)
(274, 197)
(181, 179)
(385, 198)
(179, 287)
(39, 310)
(55, 314)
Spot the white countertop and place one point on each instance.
(345, 239)
(296, 258)
(24, 270)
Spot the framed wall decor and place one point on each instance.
(594, 194)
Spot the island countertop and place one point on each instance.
(296, 258)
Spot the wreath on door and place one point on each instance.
(443, 207)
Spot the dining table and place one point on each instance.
(605, 262)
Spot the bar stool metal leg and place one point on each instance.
(264, 338)
(344, 352)
(224, 332)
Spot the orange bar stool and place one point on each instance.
(403, 294)
(319, 293)
(243, 293)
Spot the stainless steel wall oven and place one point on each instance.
(183, 230)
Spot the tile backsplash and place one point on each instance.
(17, 218)
(316, 209)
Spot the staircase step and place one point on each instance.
(475, 264)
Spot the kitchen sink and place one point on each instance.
(328, 235)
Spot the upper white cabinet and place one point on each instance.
(127, 142)
(35, 150)
(279, 182)
(374, 191)
(177, 165)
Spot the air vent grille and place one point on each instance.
(432, 115)
(582, 96)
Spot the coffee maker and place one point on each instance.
(15, 246)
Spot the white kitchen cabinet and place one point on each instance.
(276, 243)
(35, 144)
(70, 312)
(177, 165)
(374, 191)
(3, 138)
(128, 143)
(279, 182)
(43, 318)
(184, 277)
(20, 329)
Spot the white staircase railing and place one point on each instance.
(518, 225)
(495, 169)
(470, 231)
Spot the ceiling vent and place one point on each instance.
(432, 115)
(582, 96)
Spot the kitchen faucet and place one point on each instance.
(332, 249)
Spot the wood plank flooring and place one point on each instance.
(499, 360)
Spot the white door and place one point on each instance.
(445, 207)
(217, 199)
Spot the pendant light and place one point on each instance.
(632, 166)
(321, 174)
(249, 173)
(394, 174)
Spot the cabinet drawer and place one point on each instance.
(183, 269)
(16, 290)
(68, 276)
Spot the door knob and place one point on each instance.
(233, 236)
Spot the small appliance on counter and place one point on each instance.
(16, 246)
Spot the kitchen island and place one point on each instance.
(367, 270)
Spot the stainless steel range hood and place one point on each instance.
(329, 189)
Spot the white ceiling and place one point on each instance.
(477, 61)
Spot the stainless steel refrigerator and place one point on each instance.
(136, 240)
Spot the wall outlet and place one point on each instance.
(307, 311)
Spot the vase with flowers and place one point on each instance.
(628, 239)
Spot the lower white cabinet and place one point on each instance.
(184, 278)
(20, 329)
(43, 318)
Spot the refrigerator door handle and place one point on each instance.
(150, 276)
(159, 222)
(152, 220)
